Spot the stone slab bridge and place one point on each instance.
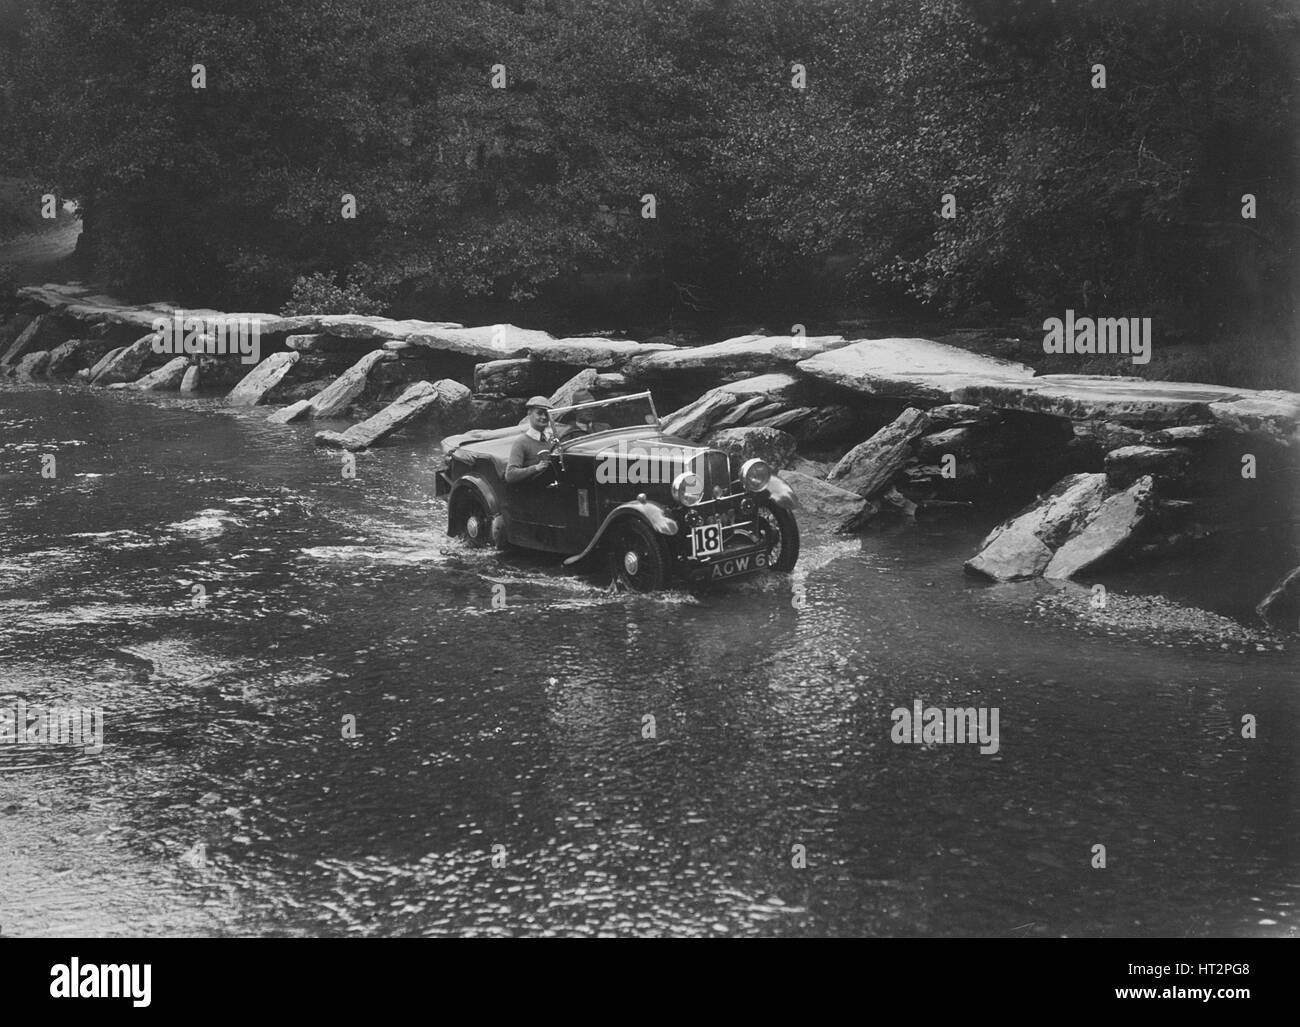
(1107, 467)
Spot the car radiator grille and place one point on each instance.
(714, 468)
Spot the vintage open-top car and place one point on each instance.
(655, 506)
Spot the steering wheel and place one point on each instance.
(557, 452)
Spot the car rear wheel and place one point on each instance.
(782, 531)
(477, 522)
(636, 557)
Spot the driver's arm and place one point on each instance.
(518, 469)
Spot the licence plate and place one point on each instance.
(737, 565)
(706, 539)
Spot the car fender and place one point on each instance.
(652, 513)
(781, 493)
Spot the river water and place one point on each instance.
(500, 780)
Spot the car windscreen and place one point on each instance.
(604, 415)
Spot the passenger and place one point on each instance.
(530, 456)
(583, 420)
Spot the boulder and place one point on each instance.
(445, 399)
(612, 382)
(580, 382)
(332, 344)
(91, 373)
(293, 412)
(190, 383)
(517, 377)
(957, 441)
(494, 411)
(911, 369)
(42, 333)
(31, 365)
(694, 420)
(254, 386)
(745, 353)
(1108, 435)
(166, 378)
(770, 444)
(778, 386)
(1282, 604)
(740, 413)
(1108, 529)
(1182, 434)
(75, 355)
(1129, 463)
(126, 366)
(826, 506)
(869, 466)
(1022, 546)
(952, 415)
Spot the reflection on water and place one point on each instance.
(237, 607)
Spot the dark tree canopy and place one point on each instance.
(1125, 199)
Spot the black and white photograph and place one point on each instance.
(650, 469)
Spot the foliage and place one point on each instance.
(1123, 200)
(320, 294)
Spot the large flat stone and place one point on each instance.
(126, 365)
(166, 378)
(1142, 402)
(43, 333)
(254, 386)
(445, 398)
(1022, 546)
(746, 352)
(334, 400)
(487, 342)
(779, 386)
(869, 466)
(602, 354)
(911, 369)
(1107, 530)
(694, 420)
(826, 506)
(76, 301)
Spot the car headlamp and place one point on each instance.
(755, 474)
(688, 488)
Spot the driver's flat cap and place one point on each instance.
(538, 401)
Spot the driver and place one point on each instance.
(530, 456)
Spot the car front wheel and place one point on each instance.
(782, 531)
(636, 557)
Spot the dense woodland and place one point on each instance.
(769, 199)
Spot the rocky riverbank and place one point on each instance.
(1108, 468)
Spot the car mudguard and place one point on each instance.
(473, 481)
(489, 496)
(652, 513)
(781, 493)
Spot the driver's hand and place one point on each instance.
(544, 457)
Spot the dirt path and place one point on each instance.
(34, 253)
